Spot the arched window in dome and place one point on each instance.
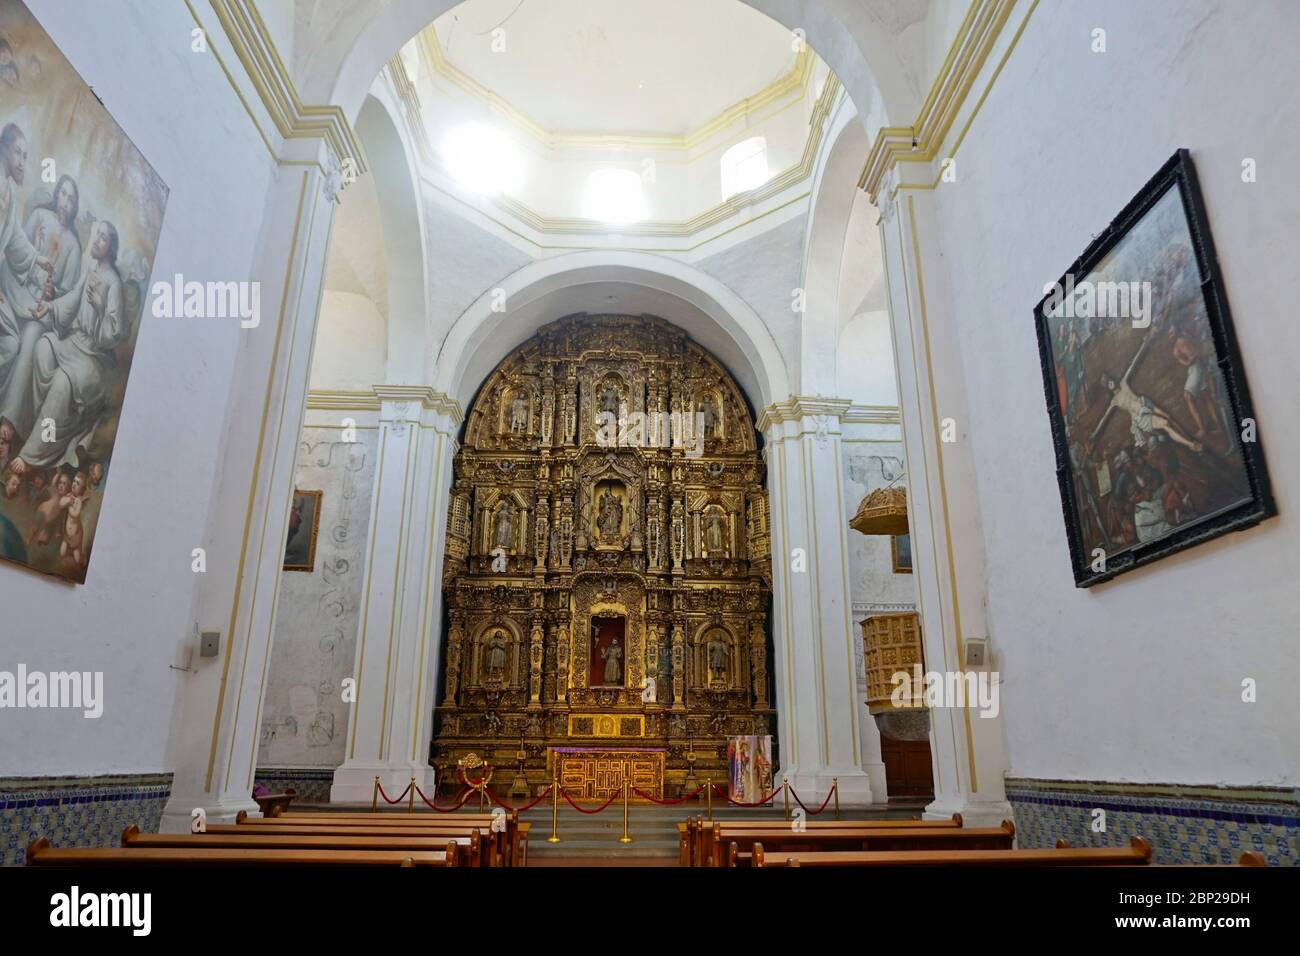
(744, 166)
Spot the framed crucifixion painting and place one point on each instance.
(1157, 445)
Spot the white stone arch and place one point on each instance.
(712, 314)
(393, 164)
(351, 40)
(835, 191)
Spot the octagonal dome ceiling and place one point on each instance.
(663, 67)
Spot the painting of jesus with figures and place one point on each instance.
(1155, 443)
(80, 215)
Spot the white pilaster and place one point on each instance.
(967, 748)
(398, 645)
(816, 689)
(218, 717)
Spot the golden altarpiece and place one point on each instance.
(608, 566)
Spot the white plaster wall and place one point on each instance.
(765, 271)
(130, 617)
(304, 718)
(1138, 679)
(351, 343)
(866, 361)
(464, 262)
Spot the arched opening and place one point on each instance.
(513, 303)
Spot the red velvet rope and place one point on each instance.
(526, 807)
(581, 810)
(432, 806)
(667, 803)
(813, 813)
(766, 800)
(399, 797)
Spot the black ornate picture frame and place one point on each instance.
(1157, 446)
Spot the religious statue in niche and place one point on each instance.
(609, 519)
(607, 650)
(494, 664)
(609, 401)
(719, 653)
(505, 526)
(713, 532)
(709, 415)
(613, 657)
(519, 414)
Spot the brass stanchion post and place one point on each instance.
(835, 785)
(374, 797)
(785, 789)
(555, 809)
(625, 838)
(708, 796)
(410, 798)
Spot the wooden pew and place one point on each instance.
(698, 845)
(510, 845)
(40, 853)
(862, 840)
(466, 850)
(275, 803)
(1137, 853)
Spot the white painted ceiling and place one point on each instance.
(617, 66)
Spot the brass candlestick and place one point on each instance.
(689, 783)
(519, 788)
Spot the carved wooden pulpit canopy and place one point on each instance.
(883, 511)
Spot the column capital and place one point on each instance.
(423, 397)
(798, 407)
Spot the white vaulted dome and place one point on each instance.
(579, 99)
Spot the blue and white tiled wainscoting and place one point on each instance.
(312, 783)
(1183, 824)
(77, 811)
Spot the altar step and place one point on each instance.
(653, 829)
(595, 837)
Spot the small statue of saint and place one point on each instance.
(496, 655)
(709, 413)
(718, 654)
(505, 526)
(519, 414)
(613, 658)
(609, 401)
(610, 520)
(713, 532)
